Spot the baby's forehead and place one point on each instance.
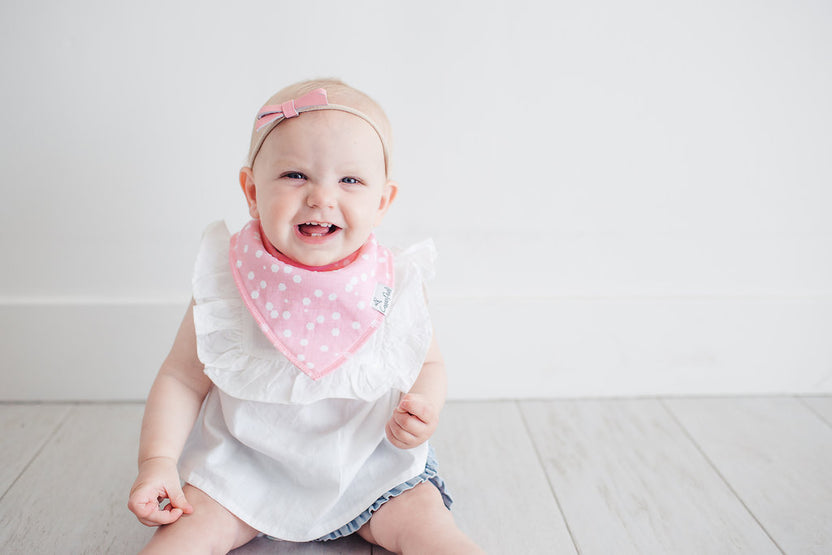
(333, 134)
(336, 125)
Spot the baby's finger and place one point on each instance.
(149, 514)
(141, 510)
(141, 505)
(161, 517)
(418, 408)
(409, 423)
(399, 437)
(397, 432)
(178, 501)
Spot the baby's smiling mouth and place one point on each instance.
(317, 229)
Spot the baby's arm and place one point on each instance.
(172, 407)
(415, 418)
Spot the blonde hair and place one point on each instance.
(337, 92)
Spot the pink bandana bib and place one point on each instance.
(318, 319)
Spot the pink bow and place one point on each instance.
(289, 109)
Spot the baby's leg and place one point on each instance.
(417, 522)
(209, 529)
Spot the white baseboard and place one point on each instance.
(494, 347)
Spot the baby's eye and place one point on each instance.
(293, 175)
(351, 180)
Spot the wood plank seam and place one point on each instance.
(39, 450)
(814, 411)
(718, 472)
(540, 462)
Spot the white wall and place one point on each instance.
(628, 198)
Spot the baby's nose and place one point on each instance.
(320, 196)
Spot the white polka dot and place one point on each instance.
(287, 269)
(320, 319)
(307, 301)
(310, 326)
(301, 358)
(245, 248)
(259, 253)
(310, 365)
(304, 342)
(363, 277)
(365, 256)
(275, 268)
(281, 286)
(287, 315)
(356, 325)
(336, 315)
(361, 305)
(319, 293)
(251, 275)
(274, 314)
(324, 348)
(332, 296)
(255, 294)
(336, 332)
(382, 260)
(269, 306)
(296, 279)
(354, 280)
(287, 333)
(239, 263)
(348, 287)
(262, 285)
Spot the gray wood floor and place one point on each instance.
(711, 475)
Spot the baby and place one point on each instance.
(304, 381)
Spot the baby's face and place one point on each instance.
(319, 186)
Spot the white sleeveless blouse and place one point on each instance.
(293, 457)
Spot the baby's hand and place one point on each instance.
(413, 421)
(158, 480)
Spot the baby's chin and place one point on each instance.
(322, 258)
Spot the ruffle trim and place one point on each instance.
(241, 362)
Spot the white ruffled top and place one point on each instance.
(297, 458)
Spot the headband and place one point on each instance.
(271, 115)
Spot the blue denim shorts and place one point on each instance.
(431, 474)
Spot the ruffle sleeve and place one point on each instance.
(241, 361)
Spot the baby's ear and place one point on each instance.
(391, 189)
(249, 190)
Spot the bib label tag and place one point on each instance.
(381, 298)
